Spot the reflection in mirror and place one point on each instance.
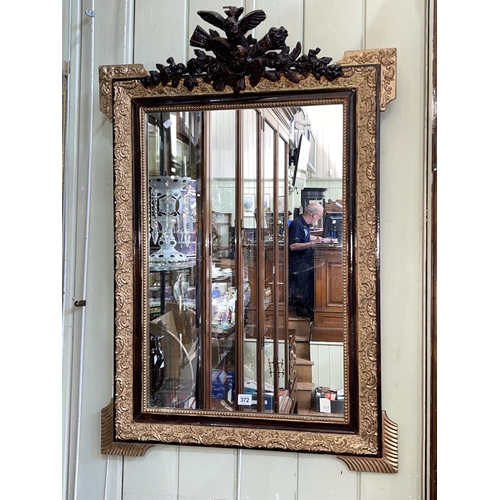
(174, 150)
(273, 337)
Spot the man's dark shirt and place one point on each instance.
(298, 232)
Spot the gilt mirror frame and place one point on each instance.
(366, 439)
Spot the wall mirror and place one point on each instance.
(226, 332)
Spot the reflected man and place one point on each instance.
(301, 258)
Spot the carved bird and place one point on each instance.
(233, 27)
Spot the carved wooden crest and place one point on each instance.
(238, 55)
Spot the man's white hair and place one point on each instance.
(314, 208)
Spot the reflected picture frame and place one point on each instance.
(267, 202)
(249, 203)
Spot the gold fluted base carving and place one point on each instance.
(108, 444)
(388, 463)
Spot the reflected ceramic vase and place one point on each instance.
(170, 189)
(167, 253)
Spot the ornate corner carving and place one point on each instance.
(387, 60)
(388, 463)
(115, 72)
(108, 444)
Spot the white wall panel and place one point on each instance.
(391, 23)
(102, 39)
(269, 475)
(153, 476)
(334, 26)
(207, 473)
(287, 13)
(160, 31)
(97, 476)
(327, 370)
(325, 478)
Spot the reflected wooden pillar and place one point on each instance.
(328, 307)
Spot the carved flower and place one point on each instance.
(277, 37)
(255, 70)
(190, 82)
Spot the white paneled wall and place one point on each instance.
(251, 360)
(327, 125)
(328, 368)
(149, 31)
(223, 143)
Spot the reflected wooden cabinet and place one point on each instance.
(222, 235)
(278, 271)
(328, 295)
(215, 343)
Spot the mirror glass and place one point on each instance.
(247, 259)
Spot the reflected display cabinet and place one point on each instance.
(184, 245)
